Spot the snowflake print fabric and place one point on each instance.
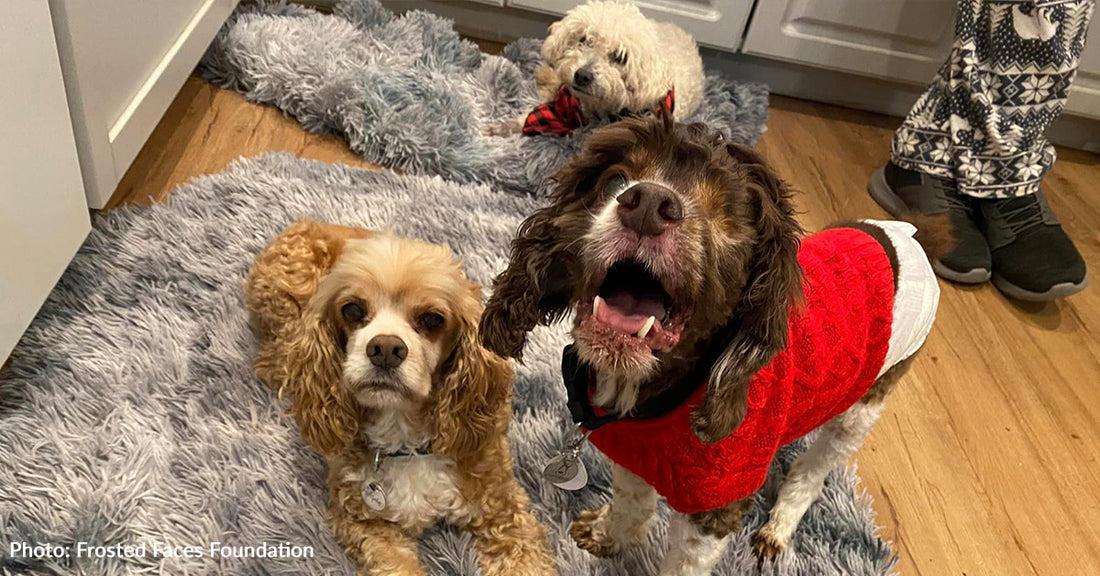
(981, 122)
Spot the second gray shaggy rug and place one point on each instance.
(131, 413)
(408, 93)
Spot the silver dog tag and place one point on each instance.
(566, 471)
(374, 497)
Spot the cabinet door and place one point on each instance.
(718, 23)
(43, 216)
(1084, 97)
(904, 40)
(124, 62)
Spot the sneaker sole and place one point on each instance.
(882, 194)
(1054, 293)
(975, 276)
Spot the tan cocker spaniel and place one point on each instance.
(373, 339)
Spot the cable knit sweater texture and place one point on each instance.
(838, 340)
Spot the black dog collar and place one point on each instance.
(380, 456)
(577, 376)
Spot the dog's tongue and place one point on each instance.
(628, 313)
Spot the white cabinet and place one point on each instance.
(124, 61)
(718, 23)
(1084, 97)
(43, 216)
(897, 39)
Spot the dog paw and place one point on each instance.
(590, 533)
(766, 545)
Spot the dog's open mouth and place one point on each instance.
(632, 308)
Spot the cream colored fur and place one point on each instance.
(691, 552)
(840, 438)
(626, 519)
(659, 56)
(420, 490)
(448, 393)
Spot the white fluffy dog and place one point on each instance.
(615, 60)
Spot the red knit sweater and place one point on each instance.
(837, 345)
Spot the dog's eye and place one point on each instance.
(429, 321)
(615, 185)
(353, 312)
(619, 57)
(583, 40)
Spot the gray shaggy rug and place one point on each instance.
(408, 93)
(131, 413)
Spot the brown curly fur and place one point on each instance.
(747, 271)
(741, 271)
(467, 412)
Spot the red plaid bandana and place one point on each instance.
(563, 115)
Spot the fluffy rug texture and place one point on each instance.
(131, 412)
(408, 93)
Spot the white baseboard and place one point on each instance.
(867, 93)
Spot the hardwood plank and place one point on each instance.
(985, 462)
(205, 129)
(986, 459)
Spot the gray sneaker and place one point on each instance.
(1033, 259)
(900, 192)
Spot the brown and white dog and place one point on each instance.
(674, 249)
(373, 338)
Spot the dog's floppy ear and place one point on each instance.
(311, 372)
(301, 355)
(553, 48)
(538, 283)
(773, 286)
(472, 400)
(546, 78)
(535, 288)
(544, 265)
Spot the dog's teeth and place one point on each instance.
(595, 306)
(645, 329)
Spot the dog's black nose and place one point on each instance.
(387, 351)
(649, 209)
(582, 77)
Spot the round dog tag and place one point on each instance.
(566, 471)
(374, 497)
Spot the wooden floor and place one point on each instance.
(986, 461)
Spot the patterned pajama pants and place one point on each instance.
(982, 120)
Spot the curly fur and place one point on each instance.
(730, 277)
(110, 379)
(775, 285)
(408, 93)
(633, 60)
(294, 293)
(736, 258)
